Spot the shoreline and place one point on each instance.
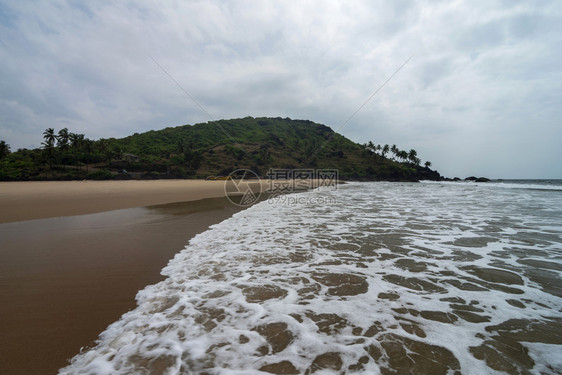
(74, 254)
(63, 280)
(31, 200)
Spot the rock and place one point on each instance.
(477, 179)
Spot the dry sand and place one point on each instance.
(35, 200)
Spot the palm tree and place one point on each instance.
(49, 136)
(49, 145)
(394, 150)
(427, 164)
(63, 138)
(402, 155)
(412, 156)
(385, 150)
(62, 143)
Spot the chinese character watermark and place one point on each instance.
(243, 187)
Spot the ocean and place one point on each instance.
(367, 278)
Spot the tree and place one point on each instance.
(427, 164)
(180, 146)
(385, 150)
(4, 150)
(89, 147)
(105, 150)
(49, 145)
(102, 145)
(62, 139)
(62, 144)
(394, 150)
(49, 137)
(76, 141)
(116, 152)
(412, 156)
(402, 155)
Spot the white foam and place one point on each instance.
(201, 319)
(502, 185)
(547, 357)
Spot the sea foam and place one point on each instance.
(386, 277)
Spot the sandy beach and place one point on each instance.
(36, 200)
(64, 279)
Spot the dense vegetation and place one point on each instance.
(214, 148)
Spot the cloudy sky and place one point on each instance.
(482, 94)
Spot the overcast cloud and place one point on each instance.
(482, 94)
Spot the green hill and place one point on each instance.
(216, 148)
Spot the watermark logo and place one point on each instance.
(243, 187)
(282, 181)
(291, 200)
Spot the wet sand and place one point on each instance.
(36, 200)
(63, 280)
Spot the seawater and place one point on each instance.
(370, 278)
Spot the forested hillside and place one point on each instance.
(211, 149)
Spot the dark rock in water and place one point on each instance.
(477, 179)
(456, 179)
